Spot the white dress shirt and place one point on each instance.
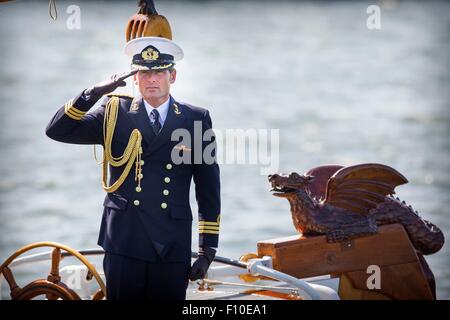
(162, 109)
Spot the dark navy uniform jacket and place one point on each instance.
(155, 223)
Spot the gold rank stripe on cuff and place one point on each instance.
(208, 227)
(73, 112)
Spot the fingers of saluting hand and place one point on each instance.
(122, 76)
(125, 75)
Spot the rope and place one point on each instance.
(147, 7)
(132, 153)
(253, 286)
(95, 156)
(52, 5)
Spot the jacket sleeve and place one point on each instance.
(72, 123)
(207, 190)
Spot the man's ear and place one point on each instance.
(135, 79)
(173, 76)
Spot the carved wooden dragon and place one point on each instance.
(357, 200)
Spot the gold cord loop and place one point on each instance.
(95, 156)
(132, 153)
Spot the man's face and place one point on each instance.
(154, 85)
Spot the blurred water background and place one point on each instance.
(338, 92)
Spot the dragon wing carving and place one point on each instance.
(361, 187)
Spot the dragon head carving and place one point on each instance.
(285, 185)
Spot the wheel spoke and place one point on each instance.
(9, 277)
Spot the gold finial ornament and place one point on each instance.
(147, 23)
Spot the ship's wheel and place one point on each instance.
(52, 287)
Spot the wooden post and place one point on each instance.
(402, 276)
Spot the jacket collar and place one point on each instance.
(174, 120)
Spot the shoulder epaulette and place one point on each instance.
(120, 95)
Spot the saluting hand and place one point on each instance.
(100, 89)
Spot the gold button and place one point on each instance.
(140, 175)
(138, 189)
(136, 202)
(168, 166)
(163, 205)
(166, 192)
(166, 179)
(142, 162)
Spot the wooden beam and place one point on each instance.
(401, 272)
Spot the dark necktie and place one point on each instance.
(154, 121)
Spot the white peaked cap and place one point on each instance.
(163, 45)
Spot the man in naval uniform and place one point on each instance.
(147, 220)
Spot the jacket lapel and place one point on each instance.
(174, 120)
(140, 117)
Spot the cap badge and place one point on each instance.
(150, 54)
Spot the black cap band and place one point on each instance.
(151, 58)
